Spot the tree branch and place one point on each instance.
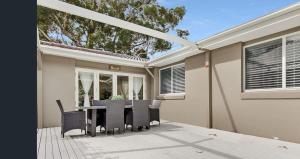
(44, 34)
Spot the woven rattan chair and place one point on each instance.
(114, 115)
(127, 102)
(100, 112)
(139, 116)
(154, 111)
(71, 120)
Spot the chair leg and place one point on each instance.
(148, 127)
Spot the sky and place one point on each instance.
(204, 18)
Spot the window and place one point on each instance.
(123, 86)
(137, 88)
(86, 88)
(293, 61)
(105, 86)
(93, 84)
(273, 65)
(172, 79)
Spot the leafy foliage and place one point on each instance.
(118, 97)
(77, 31)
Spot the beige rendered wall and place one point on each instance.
(193, 109)
(270, 118)
(59, 83)
(39, 76)
(261, 114)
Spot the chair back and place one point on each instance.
(99, 103)
(128, 102)
(156, 103)
(115, 113)
(60, 106)
(140, 109)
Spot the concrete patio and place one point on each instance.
(169, 141)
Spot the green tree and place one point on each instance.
(76, 31)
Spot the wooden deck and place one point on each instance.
(170, 140)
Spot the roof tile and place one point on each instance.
(102, 52)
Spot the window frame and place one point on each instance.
(172, 66)
(96, 73)
(283, 88)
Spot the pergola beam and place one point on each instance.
(85, 13)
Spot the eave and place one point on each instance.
(88, 56)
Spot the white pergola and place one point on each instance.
(85, 13)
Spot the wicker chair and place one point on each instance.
(71, 120)
(114, 115)
(154, 111)
(139, 116)
(100, 112)
(126, 111)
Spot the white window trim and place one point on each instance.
(114, 76)
(283, 38)
(170, 94)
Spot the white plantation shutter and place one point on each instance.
(178, 79)
(293, 61)
(263, 65)
(172, 79)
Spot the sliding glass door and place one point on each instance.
(138, 88)
(105, 86)
(85, 88)
(123, 86)
(101, 85)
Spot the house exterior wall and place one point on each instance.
(274, 115)
(39, 76)
(267, 115)
(59, 83)
(193, 108)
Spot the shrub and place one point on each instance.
(118, 97)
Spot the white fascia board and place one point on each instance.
(273, 23)
(87, 56)
(173, 57)
(85, 13)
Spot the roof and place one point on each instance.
(275, 22)
(102, 52)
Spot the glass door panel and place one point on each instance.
(85, 88)
(122, 86)
(137, 88)
(105, 86)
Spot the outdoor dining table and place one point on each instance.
(91, 123)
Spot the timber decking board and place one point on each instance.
(168, 141)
